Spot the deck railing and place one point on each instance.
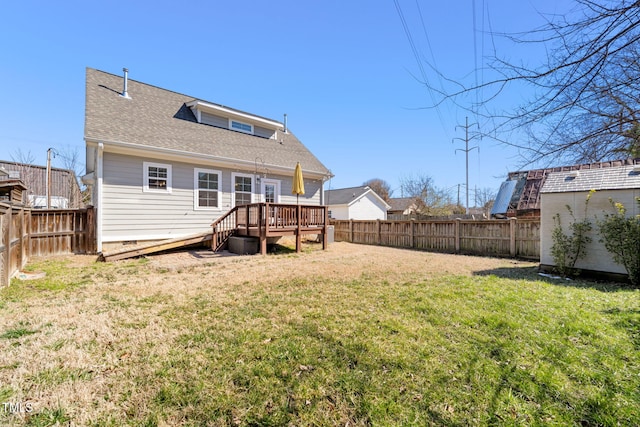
(223, 228)
(263, 219)
(279, 216)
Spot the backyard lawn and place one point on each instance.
(355, 335)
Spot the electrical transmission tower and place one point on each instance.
(466, 152)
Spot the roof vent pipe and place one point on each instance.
(125, 94)
(285, 123)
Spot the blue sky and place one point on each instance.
(343, 72)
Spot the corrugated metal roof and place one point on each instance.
(501, 205)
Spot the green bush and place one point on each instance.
(621, 236)
(567, 249)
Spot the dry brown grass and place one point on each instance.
(95, 347)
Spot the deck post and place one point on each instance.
(246, 220)
(298, 236)
(262, 227)
(324, 228)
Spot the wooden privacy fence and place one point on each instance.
(29, 232)
(501, 238)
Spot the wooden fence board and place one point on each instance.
(502, 238)
(29, 232)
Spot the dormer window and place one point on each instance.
(235, 120)
(240, 126)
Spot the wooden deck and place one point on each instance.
(264, 220)
(261, 220)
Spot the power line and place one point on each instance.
(416, 55)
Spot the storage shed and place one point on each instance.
(620, 184)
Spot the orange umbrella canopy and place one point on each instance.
(297, 187)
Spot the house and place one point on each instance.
(519, 195)
(164, 165)
(64, 188)
(356, 203)
(402, 207)
(619, 183)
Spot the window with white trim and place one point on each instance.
(243, 189)
(240, 126)
(157, 177)
(206, 187)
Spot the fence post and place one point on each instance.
(512, 236)
(28, 232)
(21, 256)
(350, 231)
(457, 234)
(7, 247)
(412, 223)
(379, 232)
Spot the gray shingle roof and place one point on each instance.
(344, 196)
(159, 118)
(613, 178)
(401, 203)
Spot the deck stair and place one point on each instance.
(267, 220)
(164, 245)
(261, 220)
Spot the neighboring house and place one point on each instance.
(165, 165)
(402, 207)
(519, 195)
(65, 191)
(570, 188)
(356, 203)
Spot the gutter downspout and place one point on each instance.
(99, 191)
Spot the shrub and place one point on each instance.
(621, 236)
(567, 249)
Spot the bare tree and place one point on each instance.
(587, 94)
(381, 187)
(69, 158)
(20, 156)
(484, 198)
(429, 199)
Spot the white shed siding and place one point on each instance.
(598, 258)
(128, 213)
(339, 211)
(367, 207)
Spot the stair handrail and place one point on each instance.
(220, 236)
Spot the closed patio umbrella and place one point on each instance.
(297, 186)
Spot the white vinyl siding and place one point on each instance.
(157, 177)
(206, 188)
(226, 123)
(129, 213)
(213, 120)
(264, 132)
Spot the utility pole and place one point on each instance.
(49, 178)
(466, 152)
